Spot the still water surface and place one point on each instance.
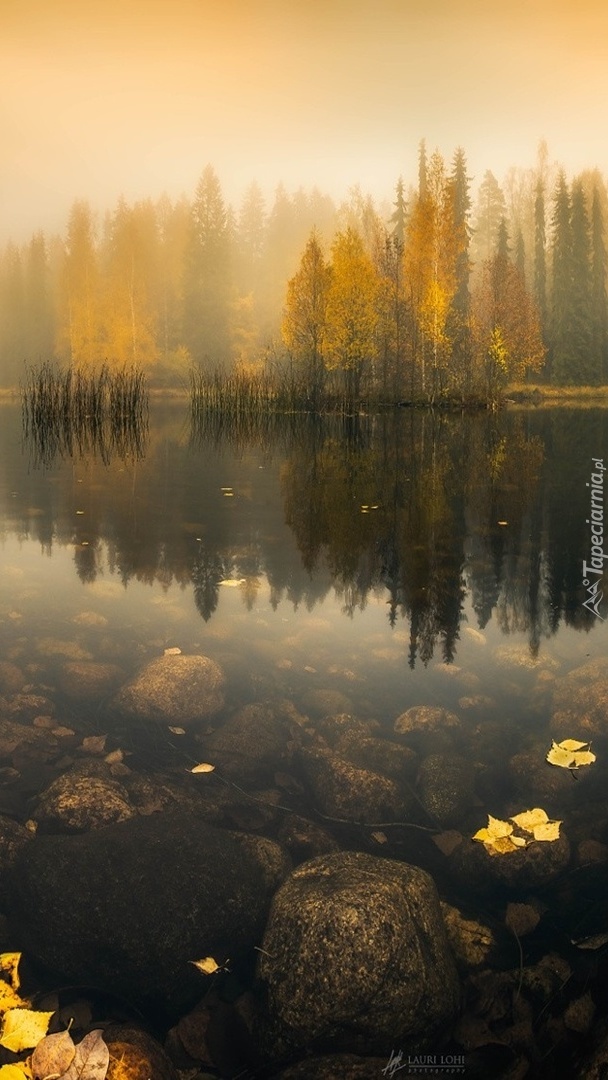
(399, 560)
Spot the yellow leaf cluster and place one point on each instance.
(499, 837)
(23, 1029)
(570, 754)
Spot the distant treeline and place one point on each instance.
(434, 295)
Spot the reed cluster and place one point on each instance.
(68, 411)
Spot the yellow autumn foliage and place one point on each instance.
(23, 1029)
(570, 754)
(499, 838)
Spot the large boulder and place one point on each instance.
(173, 689)
(580, 702)
(345, 792)
(125, 908)
(355, 959)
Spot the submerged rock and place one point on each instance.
(445, 787)
(85, 680)
(12, 678)
(580, 702)
(252, 744)
(181, 689)
(424, 719)
(355, 958)
(75, 803)
(344, 791)
(125, 908)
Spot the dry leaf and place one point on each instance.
(447, 841)
(114, 757)
(23, 1029)
(173, 652)
(379, 837)
(495, 830)
(9, 962)
(207, 965)
(178, 730)
(53, 1055)
(91, 1059)
(203, 767)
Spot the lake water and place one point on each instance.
(365, 565)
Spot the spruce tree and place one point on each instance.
(540, 256)
(399, 215)
(580, 308)
(458, 325)
(561, 296)
(599, 305)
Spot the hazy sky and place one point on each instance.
(100, 98)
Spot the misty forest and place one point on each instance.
(449, 291)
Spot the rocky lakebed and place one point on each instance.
(320, 867)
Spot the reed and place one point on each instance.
(68, 411)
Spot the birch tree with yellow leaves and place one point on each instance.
(352, 314)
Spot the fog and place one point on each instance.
(134, 97)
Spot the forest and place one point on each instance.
(445, 291)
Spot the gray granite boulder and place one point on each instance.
(346, 792)
(355, 959)
(179, 690)
(126, 908)
(75, 803)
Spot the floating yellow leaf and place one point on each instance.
(572, 744)
(23, 1029)
(503, 845)
(9, 962)
(203, 767)
(548, 831)
(9, 998)
(570, 754)
(207, 965)
(529, 819)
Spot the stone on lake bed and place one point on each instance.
(424, 718)
(356, 958)
(85, 680)
(580, 702)
(184, 689)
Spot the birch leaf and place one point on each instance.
(570, 754)
(91, 1059)
(529, 819)
(9, 962)
(495, 830)
(14, 1072)
(572, 744)
(53, 1055)
(9, 999)
(548, 831)
(207, 965)
(203, 767)
(23, 1029)
(503, 845)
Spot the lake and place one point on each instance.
(357, 566)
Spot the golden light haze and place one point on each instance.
(108, 97)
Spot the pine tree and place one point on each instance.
(561, 295)
(399, 216)
(519, 255)
(422, 170)
(490, 210)
(458, 325)
(580, 313)
(208, 286)
(540, 256)
(599, 304)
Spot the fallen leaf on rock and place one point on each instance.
(379, 837)
(9, 962)
(15, 1072)
(570, 754)
(91, 1058)
(173, 652)
(447, 841)
(207, 965)
(203, 767)
(178, 730)
(549, 831)
(596, 941)
(9, 998)
(529, 819)
(114, 757)
(23, 1029)
(53, 1055)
